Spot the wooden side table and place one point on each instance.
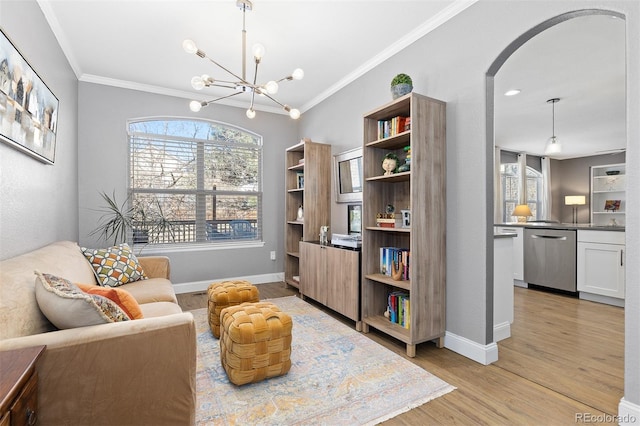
(19, 386)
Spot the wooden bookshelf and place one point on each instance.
(314, 196)
(421, 190)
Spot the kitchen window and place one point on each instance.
(194, 181)
(510, 184)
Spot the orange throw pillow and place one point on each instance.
(119, 296)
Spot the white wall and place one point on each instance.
(103, 153)
(39, 202)
(450, 64)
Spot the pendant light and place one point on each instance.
(553, 145)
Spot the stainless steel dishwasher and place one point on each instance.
(550, 258)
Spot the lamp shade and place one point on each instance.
(522, 210)
(575, 200)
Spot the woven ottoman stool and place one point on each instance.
(228, 293)
(255, 342)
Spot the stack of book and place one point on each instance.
(391, 255)
(399, 308)
(389, 220)
(395, 126)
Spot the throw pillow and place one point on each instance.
(115, 265)
(66, 306)
(119, 296)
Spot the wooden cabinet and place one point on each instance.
(308, 185)
(600, 265)
(331, 276)
(421, 190)
(19, 386)
(608, 195)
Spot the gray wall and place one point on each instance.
(103, 153)
(572, 177)
(450, 64)
(39, 202)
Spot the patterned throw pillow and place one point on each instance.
(66, 306)
(115, 265)
(119, 296)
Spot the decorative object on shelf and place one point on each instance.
(396, 271)
(406, 218)
(401, 85)
(612, 182)
(300, 216)
(30, 112)
(354, 219)
(241, 85)
(390, 164)
(300, 180)
(553, 145)
(522, 211)
(612, 205)
(575, 201)
(407, 161)
(612, 172)
(390, 208)
(613, 222)
(324, 235)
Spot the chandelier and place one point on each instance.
(240, 84)
(553, 145)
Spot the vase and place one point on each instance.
(400, 90)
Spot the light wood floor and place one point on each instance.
(564, 360)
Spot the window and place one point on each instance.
(510, 183)
(194, 182)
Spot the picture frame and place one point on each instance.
(354, 219)
(612, 205)
(300, 180)
(347, 168)
(28, 108)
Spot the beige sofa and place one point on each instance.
(139, 372)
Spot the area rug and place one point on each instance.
(338, 377)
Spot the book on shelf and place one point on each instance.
(388, 220)
(391, 255)
(392, 127)
(399, 308)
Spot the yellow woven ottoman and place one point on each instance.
(255, 342)
(228, 293)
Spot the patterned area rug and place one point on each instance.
(338, 377)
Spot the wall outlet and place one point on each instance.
(273, 255)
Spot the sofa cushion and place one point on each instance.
(159, 309)
(152, 290)
(17, 290)
(66, 306)
(118, 295)
(114, 266)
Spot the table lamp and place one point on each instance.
(575, 201)
(522, 211)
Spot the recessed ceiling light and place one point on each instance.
(512, 92)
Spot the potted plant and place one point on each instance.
(118, 220)
(401, 85)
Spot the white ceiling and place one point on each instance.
(138, 44)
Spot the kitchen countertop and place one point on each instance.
(564, 226)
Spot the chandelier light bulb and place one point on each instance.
(272, 87)
(294, 113)
(258, 51)
(195, 106)
(251, 113)
(297, 74)
(189, 46)
(197, 83)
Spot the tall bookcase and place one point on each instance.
(308, 184)
(422, 190)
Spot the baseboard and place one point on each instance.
(484, 354)
(203, 285)
(602, 299)
(628, 413)
(501, 331)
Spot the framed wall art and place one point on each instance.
(28, 109)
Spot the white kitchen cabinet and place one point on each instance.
(601, 264)
(517, 250)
